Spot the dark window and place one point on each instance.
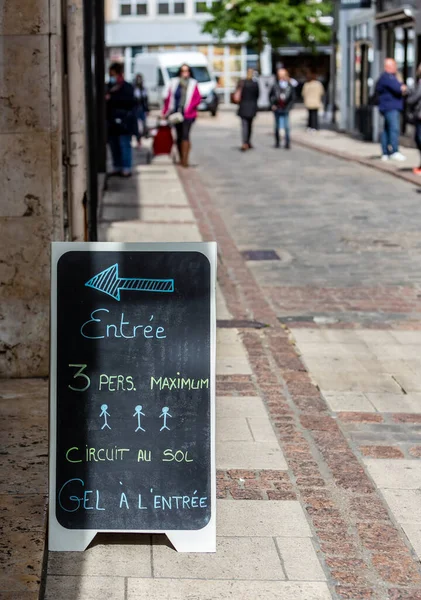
(163, 8)
(141, 9)
(179, 8)
(161, 82)
(201, 7)
(125, 9)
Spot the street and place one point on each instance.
(334, 224)
(318, 385)
(210, 328)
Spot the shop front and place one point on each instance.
(396, 30)
(358, 74)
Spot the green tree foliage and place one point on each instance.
(277, 22)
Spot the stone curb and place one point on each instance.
(362, 161)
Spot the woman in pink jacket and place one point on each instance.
(183, 97)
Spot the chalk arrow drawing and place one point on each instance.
(110, 283)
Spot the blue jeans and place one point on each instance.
(282, 122)
(121, 151)
(390, 134)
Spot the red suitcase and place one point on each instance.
(163, 140)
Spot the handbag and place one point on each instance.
(175, 119)
(236, 95)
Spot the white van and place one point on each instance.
(158, 68)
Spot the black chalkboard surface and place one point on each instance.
(132, 390)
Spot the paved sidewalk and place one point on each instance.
(265, 546)
(319, 424)
(344, 146)
(23, 486)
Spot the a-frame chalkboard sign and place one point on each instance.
(132, 446)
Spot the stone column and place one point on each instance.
(75, 91)
(31, 198)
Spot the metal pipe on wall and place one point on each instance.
(91, 120)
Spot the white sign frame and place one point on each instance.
(63, 539)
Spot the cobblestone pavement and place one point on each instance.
(346, 282)
(318, 385)
(334, 225)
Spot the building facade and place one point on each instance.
(134, 26)
(390, 28)
(43, 160)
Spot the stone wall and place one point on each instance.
(31, 179)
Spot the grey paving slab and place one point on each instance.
(233, 429)
(348, 401)
(84, 588)
(166, 213)
(338, 364)
(222, 311)
(401, 403)
(404, 504)
(136, 231)
(154, 192)
(261, 518)
(410, 382)
(229, 336)
(300, 559)
(395, 351)
(413, 532)
(374, 336)
(358, 382)
(226, 365)
(407, 337)
(261, 429)
(396, 474)
(232, 350)
(247, 406)
(336, 349)
(249, 455)
(110, 559)
(304, 335)
(193, 589)
(235, 558)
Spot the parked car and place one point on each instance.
(159, 68)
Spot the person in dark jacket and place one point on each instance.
(390, 92)
(414, 103)
(121, 120)
(248, 107)
(142, 103)
(281, 97)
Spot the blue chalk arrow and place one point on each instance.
(110, 283)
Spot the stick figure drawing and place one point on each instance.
(105, 414)
(165, 413)
(138, 412)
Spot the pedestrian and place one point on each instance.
(248, 89)
(390, 91)
(180, 107)
(142, 101)
(414, 104)
(313, 92)
(281, 97)
(121, 120)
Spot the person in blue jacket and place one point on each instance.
(121, 120)
(390, 92)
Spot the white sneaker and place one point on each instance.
(398, 156)
(384, 157)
